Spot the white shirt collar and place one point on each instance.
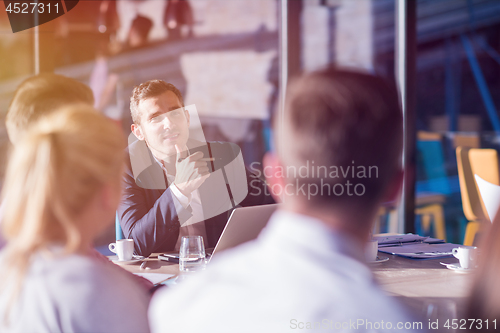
(160, 163)
(312, 235)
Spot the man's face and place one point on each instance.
(164, 124)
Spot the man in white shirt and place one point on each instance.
(338, 157)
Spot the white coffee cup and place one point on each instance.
(371, 250)
(124, 248)
(467, 256)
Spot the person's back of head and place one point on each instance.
(38, 96)
(339, 140)
(59, 168)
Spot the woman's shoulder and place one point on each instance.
(97, 292)
(79, 293)
(85, 270)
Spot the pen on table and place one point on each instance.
(144, 264)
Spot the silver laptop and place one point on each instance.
(244, 225)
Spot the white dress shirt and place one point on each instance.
(195, 224)
(297, 274)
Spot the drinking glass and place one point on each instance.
(192, 254)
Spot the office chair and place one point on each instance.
(484, 163)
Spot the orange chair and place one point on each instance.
(466, 140)
(484, 163)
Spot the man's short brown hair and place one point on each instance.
(147, 90)
(40, 95)
(339, 121)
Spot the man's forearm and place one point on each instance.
(151, 228)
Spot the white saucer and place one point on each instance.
(378, 260)
(134, 260)
(457, 268)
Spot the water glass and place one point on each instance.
(192, 254)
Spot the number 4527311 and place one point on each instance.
(32, 8)
(470, 324)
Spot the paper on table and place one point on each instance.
(490, 193)
(421, 250)
(398, 240)
(154, 277)
(431, 240)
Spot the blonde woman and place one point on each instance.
(62, 187)
(36, 97)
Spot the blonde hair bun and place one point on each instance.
(54, 171)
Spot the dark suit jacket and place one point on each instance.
(147, 211)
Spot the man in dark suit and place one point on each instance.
(176, 186)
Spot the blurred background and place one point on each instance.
(224, 56)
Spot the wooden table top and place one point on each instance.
(414, 283)
(421, 278)
(154, 265)
(398, 276)
(417, 284)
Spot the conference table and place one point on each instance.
(425, 284)
(153, 265)
(421, 285)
